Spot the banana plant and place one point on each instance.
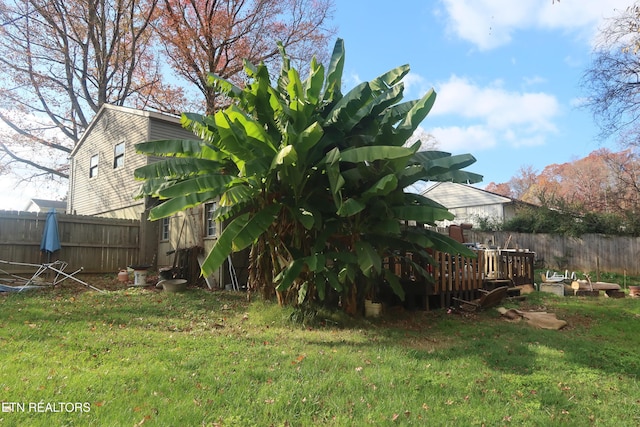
(312, 180)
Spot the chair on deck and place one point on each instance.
(487, 299)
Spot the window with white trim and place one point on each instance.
(211, 228)
(93, 166)
(118, 155)
(164, 229)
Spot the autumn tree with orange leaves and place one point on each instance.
(60, 61)
(216, 36)
(605, 186)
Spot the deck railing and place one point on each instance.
(459, 276)
(453, 275)
(512, 264)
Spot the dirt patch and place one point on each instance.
(104, 282)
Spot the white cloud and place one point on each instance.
(352, 80)
(455, 139)
(491, 116)
(579, 102)
(530, 81)
(491, 23)
(15, 193)
(496, 106)
(415, 83)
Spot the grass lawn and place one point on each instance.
(130, 357)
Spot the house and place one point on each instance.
(104, 159)
(102, 182)
(471, 204)
(42, 205)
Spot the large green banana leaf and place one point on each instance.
(238, 235)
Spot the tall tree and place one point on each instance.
(602, 182)
(612, 81)
(521, 186)
(60, 61)
(216, 36)
(313, 181)
(504, 189)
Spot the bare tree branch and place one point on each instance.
(35, 165)
(61, 60)
(613, 79)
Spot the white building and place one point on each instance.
(470, 204)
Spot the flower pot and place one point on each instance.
(173, 285)
(123, 276)
(372, 309)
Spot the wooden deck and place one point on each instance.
(455, 276)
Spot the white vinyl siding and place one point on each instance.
(111, 193)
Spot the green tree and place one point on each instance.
(311, 179)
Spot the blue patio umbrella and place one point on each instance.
(50, 238)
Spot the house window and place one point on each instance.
(118, 155)
(164, 229)
(93, 166)
(210, 222)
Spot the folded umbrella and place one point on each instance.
(50, 238)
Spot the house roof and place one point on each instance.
(43, 204)
(453, 195)
(105, 107)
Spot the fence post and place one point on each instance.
(149, 239)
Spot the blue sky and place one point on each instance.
(507, 73)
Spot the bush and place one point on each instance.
(571, 222)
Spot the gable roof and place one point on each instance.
(453, 195)
(127, 110)
(44, 205)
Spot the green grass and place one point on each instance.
(139, 357)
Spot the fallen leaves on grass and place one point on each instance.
(142, 421)
(298, 359)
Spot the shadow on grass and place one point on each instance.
(599, 336)
(44, 310)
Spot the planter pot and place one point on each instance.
(372, 309)
(123, 276)
(634, 291)
(173, 285)
(140, 278)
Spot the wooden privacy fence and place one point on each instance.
(590, 252)
(98, 245)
